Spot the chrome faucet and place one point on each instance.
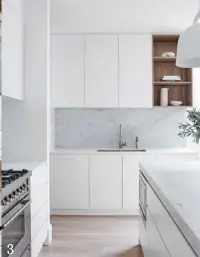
(121, 142)
(136, 142)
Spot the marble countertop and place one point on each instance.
(178, 187)
(148, 150)
(22, 165)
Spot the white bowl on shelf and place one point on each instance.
(176, 103)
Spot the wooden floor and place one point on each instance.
(93, 237)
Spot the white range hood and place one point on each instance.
(188, 50)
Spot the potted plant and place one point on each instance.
(192, 126)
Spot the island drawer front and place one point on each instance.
(173, 238)
(156, 245)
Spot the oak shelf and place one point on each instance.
(164, 59)
(158, 83)
(166, 66)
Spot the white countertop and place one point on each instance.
(180, 184)
(148, 150)
(22, 165)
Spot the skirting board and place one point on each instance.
(96, 212)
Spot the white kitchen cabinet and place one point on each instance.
(69, 182)
(101, 70)
(131, 183)
(176, 244)
(12, 56)
(67, 69)
(135, 71)
(156, 244)
(105, 182)
(39, 192)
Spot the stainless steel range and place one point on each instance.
(15, 206)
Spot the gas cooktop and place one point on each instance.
(9, 176)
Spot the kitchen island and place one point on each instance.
(169, 209)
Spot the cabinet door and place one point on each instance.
(135, 71)
(106, 182)
(101, 71)
(12, 37)
(67, 66)
(131, 183)
(69, 182)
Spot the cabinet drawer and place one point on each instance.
(37, 243)
(156, 244)
(38, 200)
(176, 244)
(38, 221)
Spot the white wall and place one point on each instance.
(25, 124)
(142, 16)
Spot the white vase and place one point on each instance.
(164, 96)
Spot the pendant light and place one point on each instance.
(188, 49)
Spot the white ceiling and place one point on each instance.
(90, 16)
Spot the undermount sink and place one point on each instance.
(121, 150)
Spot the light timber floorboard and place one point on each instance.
(93, 237)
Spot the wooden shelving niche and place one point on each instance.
(166, 66)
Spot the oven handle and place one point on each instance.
(27, 203)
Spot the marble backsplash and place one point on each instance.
(99, 128)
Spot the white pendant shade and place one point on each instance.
(188, 50)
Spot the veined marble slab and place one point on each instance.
(178, 187)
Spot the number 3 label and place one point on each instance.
(10, 249)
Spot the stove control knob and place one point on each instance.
(4, 202)
(13, 195)
(9, 198)
(18, 191)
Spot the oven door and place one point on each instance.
(16, 229)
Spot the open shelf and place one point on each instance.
(164, 59)
(158, 83)
(166, 66)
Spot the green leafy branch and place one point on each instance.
(192, 127)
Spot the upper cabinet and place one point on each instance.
(101, 70)
(67, 71)
(12, 56)
(135, 70)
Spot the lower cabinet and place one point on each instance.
(106, 182)
(167, 227)
(99, 183)
(156, 244)
(39, 189)
(69, 182)
(130, 183)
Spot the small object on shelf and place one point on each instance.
(168, 54)
(176, 103)
(164, 96)
(171, 78)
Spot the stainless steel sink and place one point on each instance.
(121, 150)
